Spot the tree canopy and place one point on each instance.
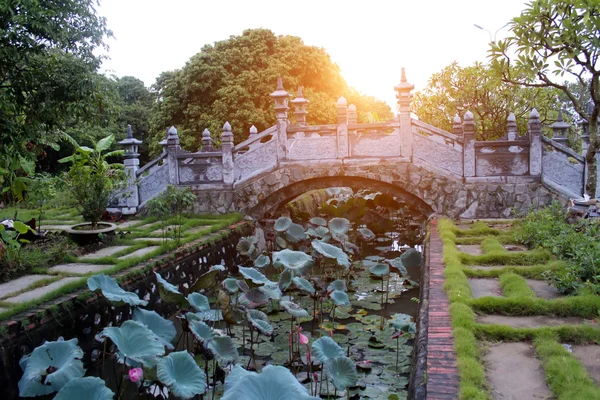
(231, 80)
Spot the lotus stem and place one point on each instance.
(387, 292)
(121, 384)
(397, 349)
(103, 359)
(321, 380)
(214, 378)
(244, 337)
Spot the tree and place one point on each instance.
(480, 89)
(551, 40)
(231, 81)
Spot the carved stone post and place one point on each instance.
(457, 127)
(535, 143)
(131, 198)
(404, 96)
(207, 144)
(280, 98)
(511, 127)
(342, 128)
(585, 136)
(227, 148)
(469, 146)
(352, 117)
(171, 146)
(560, 128)
(299, 104)
(253, 132)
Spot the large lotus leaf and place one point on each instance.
(135, 342)
(254, 275)
(338, 284)
(339, 298)
(224, 350)
(403, 323)
(380, 269)
(285, 279)
(366, 234)
(253, 298)
(398, 265)
(272, 291)
(342, 372)
(64, 357)
(321, 232)
(325, 348)
(262, 261)
(282, 224)
(273, 383)
(170, 293)
(339, 225)
(201, 331)
(330, 251)
(199, 301)
(210, 315)
(411, 258)
(233, 315)
(166, 285)
(304, 285)
(206, 281)
(294, 309)
(230, 285)
(218, 268)
(295, 233)
(89, 388)
(181, 374)
(280, 242)
(340, 237)
(260, 321)
(234, 377)
(318, 221)
(297, 261)
(112, 291)
(163, 328)
(245, 247)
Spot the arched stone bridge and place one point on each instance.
(448, 173)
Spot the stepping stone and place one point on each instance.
(151, 240)
(127, 224)
(16, 285)
(169, 230)
(464, 226)
(105, 252)
(80, 268)
(473, 249)
(146, 226)
(543, 290)
(530, 322)
(514, 373)
(196, 229)
(39, 292)
(515, 247)
(139, 252)
(57, 222)
(485, 287)
(589, 357)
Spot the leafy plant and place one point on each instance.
(170, 205)
(15, 173)
(11, 244)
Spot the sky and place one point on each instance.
(370, 40)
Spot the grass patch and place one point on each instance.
(531, 257)
(514, 285)
(526, 271)
(575, 334)
(577, 306)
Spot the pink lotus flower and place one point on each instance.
(315, 377)
(396, 335)
(303, 339)
(136, 374)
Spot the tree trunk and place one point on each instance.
(590, 157)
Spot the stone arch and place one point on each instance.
(287, 193)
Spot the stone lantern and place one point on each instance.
(560, 128)
(130, 145)
(130, 195)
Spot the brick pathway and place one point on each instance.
(442, 372)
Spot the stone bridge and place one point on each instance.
(448, 173)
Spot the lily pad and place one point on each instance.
(330, 251)
(112, 291)
(162, 328)
(181, 374)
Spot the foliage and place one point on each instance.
(10, 246)
(15, 173)
(232, 79)
(480, 89)
(552, 39)
(172, 203)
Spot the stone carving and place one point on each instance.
(255, 160)
(196, 173)
(560, 170)
(313, 148)
(438, 155)
(375, 145)
(153, 183)
(502, 165)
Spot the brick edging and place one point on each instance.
(442, 371)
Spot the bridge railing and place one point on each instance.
(437, 149)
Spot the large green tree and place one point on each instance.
(481, 90)
(553, 40)
(231, 81)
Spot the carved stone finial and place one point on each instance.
(342, 101)
(560, 115)
(129, 132)
(253, 130)
(172, 131)
(279, 83)
(351, 108)
(534, 114)
(511, 118)
(457, 119)
(227, 127)
(468, 116)
(205, 133)
(403, 77)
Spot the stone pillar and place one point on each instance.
(403, 95)
(511, 127)
(560, 128)
(280, 98)
(171, 146)
(342, 128)
(585, 136)
(534, 128)
(469, 146)
(227, 148)
(131, 198)
(299, 104)
(253, 132)
(352, 117)
(207, 144)
(457, 127)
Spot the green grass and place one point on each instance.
(526, 271)
(514, 285)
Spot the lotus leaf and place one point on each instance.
(90, 388)
(245, 247)
(339, 298)
(230, 285)
(318, 221)
(170, 293)
(295, 233)
(210, 315)
(262, 261)
(282, 224)
(326, 348)
(339, 225)
(224, 350)
(273, 383)
(112, 291)
(64, 356)
(411, 258)
(297, 261)
(403, 323)
(233, 315)
(254, 275)
(162, 328)
(294, 309)
(234, 377)
(260, 321)
(342, 372)
(272, 291)
(201, 331)
(380, 269)
(398, 265)
(135, 342)
(366, 234)
(180, 373)
(338, 284)
(253, 298)
(281, 242)
(205, 281)
(218, 268)
(285, 279)
(330, 251)
(166, 285)
(304, 285)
